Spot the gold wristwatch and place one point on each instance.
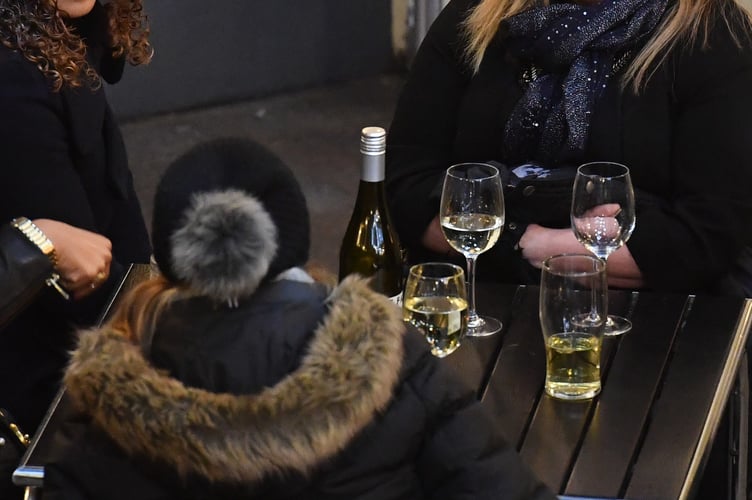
(36, 236)
(45, 245)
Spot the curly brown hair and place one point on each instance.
(36, 28)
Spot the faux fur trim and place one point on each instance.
(225, 245)
(347, 376)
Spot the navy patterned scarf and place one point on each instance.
(572, 51)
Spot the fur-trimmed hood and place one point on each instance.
(347, 375)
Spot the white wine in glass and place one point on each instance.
(603, 216)
(572, 310)
(435, 302)
(472, 217)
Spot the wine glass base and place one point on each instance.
(616, 325)
(484, 327)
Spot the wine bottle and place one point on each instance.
(370, 246)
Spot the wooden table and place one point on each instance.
(646, 436)
(666, 384)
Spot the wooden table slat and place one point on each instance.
(699, 355)
(520, 371)
(475, 358)
(553, 439)
(623, 407)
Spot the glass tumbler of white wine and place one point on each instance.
(435, 302)
(573, 310)
(472, 217)
(603, 216)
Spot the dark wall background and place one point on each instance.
(212, 52)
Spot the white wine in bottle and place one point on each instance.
(370, 246)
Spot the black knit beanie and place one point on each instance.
(228, 214)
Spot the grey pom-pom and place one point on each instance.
(225, 245)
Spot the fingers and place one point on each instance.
(83, 257)
(434, 239)
(538, 243)
(84, 284)
(605, 210)
(601, 227)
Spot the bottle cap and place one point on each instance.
(373, 141)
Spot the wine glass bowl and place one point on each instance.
(472, 218)
(435, 302)
(472, 233)
(603, 216)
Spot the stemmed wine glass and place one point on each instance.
(603, 216)
(472, 217)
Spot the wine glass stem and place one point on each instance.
(472, 317)
(604, 257)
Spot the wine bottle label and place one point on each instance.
(455, 321)
(397, 299)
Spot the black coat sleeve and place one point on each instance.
(23, 270)
(421, 134)
(84, 463)
(464, 455)
(690, 236)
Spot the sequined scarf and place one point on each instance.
(573, 51)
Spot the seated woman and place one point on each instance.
(235, 375)
(658, 85)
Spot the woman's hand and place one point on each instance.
(83, 257)
(434, 239)
(538, 243)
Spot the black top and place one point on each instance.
(681, 138)
(62, 158)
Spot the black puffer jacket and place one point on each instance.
(307, 396)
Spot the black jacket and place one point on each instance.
(62, 157)
(309, 397)
(683, 138)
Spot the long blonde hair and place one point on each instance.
(135, 317)
(686, 19)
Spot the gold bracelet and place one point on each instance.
(36, 236)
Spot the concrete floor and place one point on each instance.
(316, 131)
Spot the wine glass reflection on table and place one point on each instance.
(603, 216)
(472, 217)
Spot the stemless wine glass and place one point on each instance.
(603, 216)
(472, 217)
(573, 306)
(435, 301)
